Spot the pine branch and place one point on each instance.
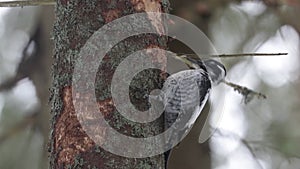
(231, 55)
(248, 54)
(247, 93)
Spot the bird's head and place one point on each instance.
(215, 70)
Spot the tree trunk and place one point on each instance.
(76, 21)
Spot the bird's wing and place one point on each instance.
(185, 94)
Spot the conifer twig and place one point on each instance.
(246, 92)
(248, 54)
(233, 55)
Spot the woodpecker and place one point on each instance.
(185, 93)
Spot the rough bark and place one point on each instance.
(70, 146)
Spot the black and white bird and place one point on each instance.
(185, 93)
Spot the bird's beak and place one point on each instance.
(183, 58)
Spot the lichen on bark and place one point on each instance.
(76, 21)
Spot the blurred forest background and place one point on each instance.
(264, 134)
